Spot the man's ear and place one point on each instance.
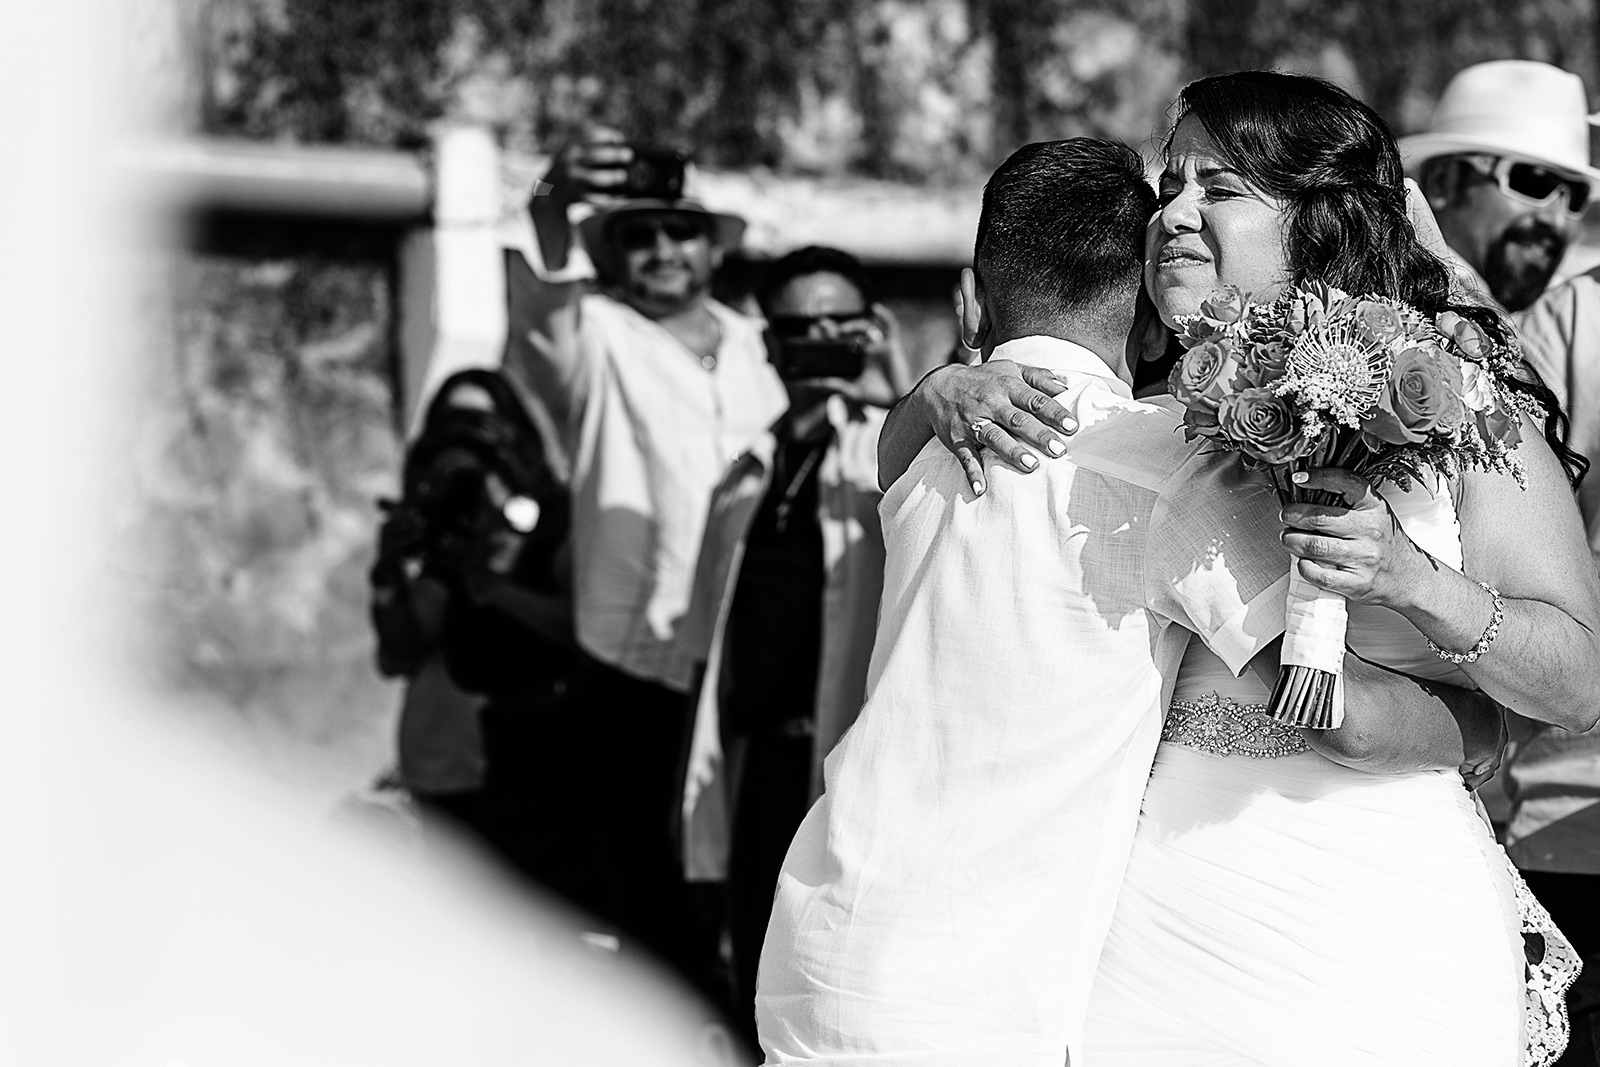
(974, 318)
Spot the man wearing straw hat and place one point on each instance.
(1505, 167)
(655, 387)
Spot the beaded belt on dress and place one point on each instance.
(1224, 728)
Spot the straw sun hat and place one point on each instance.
(1513, 108)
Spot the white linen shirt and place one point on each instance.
(653, 430)
(945, 901)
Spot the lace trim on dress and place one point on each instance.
(1222, 727)
(1553, 965)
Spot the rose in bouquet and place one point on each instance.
(1318, 377)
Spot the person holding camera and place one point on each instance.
(471, 577)
(656, 387)
(787, 588)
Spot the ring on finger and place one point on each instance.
(978, 429)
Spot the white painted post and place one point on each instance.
(452, 278)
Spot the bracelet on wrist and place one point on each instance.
(1490, 632)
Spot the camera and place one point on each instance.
(799, 359)
(450, 502)
(798, 354)
(447, 507)
(654, 173)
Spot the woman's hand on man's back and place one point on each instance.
(999, 405)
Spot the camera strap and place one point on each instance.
(792, 489)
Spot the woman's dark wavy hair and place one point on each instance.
(1335, 165)
(508, 436)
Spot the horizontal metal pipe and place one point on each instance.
(238, 176)
(881, 222)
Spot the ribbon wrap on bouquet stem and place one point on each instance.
(1310, 689)
(1313, 638)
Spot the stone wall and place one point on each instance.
(266, 431)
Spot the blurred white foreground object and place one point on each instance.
(164, 907)
(159, 903)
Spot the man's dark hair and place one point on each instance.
(815, 259)
(1061, 235)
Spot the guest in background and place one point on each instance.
(470, 601)
(655, 387)
(786, 592)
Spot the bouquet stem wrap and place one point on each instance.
(1309, 692)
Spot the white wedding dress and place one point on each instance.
(1282, 910)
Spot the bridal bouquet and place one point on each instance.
(1319, 378)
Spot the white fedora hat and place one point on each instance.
(516, 230)
(1510, 107)
(724, 230)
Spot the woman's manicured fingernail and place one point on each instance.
(977, 487)
(1299, 477)
(1056, 448)
(1028, 461)
(1069, 426)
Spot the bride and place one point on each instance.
(1302, 897)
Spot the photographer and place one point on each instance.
(787, 589)
(471, 575)
(655, 386)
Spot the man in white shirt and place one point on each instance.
(945, 901)
(655, 387)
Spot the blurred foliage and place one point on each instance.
(912, 89)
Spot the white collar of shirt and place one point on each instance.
(1059, 354)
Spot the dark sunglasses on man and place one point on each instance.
(637, 234)
(1532, 184)
(827, 325)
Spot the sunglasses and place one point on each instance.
(634, 235)
(823, 325)
(1531, 184)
